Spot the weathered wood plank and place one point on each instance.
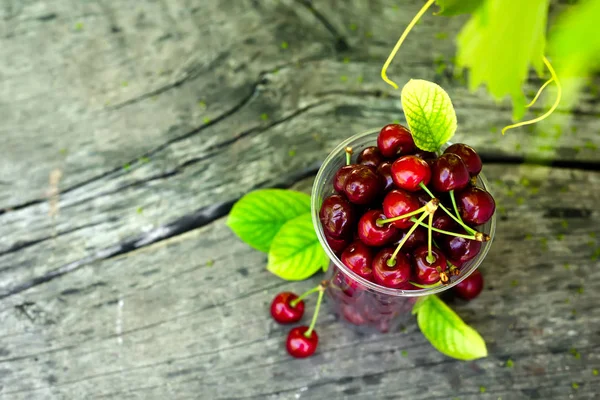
(90, 87)
(161, 323)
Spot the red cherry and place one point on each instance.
(409, 171)
(416, 238)
(476, 206)
(385, 171)
(363, 185)
(425, 155)
(395, 139)
(337, 245)
(442, 221)
(459, 249)
(470, 288)
(337, 216)
(399, 202)
(339, 181)
(282, 310)
(396, 276)
(300, 346)
(352, 315)
(468, 155)
(358, 257)
(427, 273)
(370, 156)
(371, 233)
(448, 173)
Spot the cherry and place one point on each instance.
(352, 315)
(337, 217)
(470, 287)
(442, 221)
(385, 171)
(348, 286)
(337, 245)
(363, 185)
(283, 311)
(409, 171)
(425, 155)
(476, 206)
(395, 276)
(358, 257)
(395, 139)
(422, 197)
(373, 234)
(370, 156)
(418, 237)
(468, 155)
(448, 173)
(427, 273)
(299, 345)
(339, 181)
(459, 250)
(399, 202)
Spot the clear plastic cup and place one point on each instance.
(359, 301)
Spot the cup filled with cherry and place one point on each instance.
(397, 223)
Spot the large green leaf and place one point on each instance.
(455, 7)
(500, 42)
(429, 113)
(447, 332)
(257, 217)
(296, 253)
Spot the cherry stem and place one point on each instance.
(308, 333)
(348, 155)
(380, 222)
(460, 235)
(392, 260)
(430, 259)
(454, 205)
(297, 300)
(467, 228)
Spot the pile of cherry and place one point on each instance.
(378, 221)
(402, 218)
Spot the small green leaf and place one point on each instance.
(429, 113)
(257, 217)
(295, 252)
(456, 7)
(447, 332)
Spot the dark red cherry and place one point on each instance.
(396, 276)
(337, 245)
(282, 310)
(425, 155)
(339, 180)
(352, 315)
(416, 238)
(299, 345)
(350, 288)
(422, 197)
(363, 185)
(358, 257)
(448, 173)
(468, 155)
(399, 202)
(394, 140)
(370, 156)
(427, 273)
(337, 216)
(441, 220)
(459, 250)
(470, 288)
(409, 171)
(385, 171)
(476, 206)
(373, 234)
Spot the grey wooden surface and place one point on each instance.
(129, 128)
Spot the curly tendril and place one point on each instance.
(551, 110)
(400, 41)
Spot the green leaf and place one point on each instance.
(257, 217)
(447, 332)
(456, 7)
(500, 42)
(296, 253)
(429, 113)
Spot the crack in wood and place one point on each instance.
(341, 44)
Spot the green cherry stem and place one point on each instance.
(479, 236)
(467, 228)
(392, 261)
(430, 259)
(454, 205)
(380, 222)
(348, 155)
(308, 333)
(295, 302)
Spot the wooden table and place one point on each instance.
(129, 129)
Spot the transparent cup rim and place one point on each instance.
(337, 152)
